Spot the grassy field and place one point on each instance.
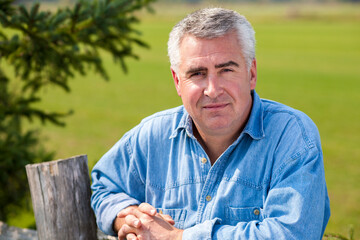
(308, 57)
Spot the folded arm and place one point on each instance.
(143, 222)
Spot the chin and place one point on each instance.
(217, 126)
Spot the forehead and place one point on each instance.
(200, 51)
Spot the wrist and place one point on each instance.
(117, 224)
(119, 221)
(178, 233)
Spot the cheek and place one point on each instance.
(190, 92)
(238, 91)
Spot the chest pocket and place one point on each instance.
(177, 214)
(235, 215)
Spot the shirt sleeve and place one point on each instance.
(297, 206)
(116, 184)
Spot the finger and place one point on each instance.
(135, 212)
(147, 208)
(132, 221)
(125, 230)
(131, 236)
(127, 211)
(168, 218)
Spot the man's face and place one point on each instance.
(214, 84)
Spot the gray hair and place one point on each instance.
(209, 23)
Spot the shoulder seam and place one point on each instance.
(296, 156)
(310, 144)
(133, 171)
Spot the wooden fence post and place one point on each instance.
(60, 193)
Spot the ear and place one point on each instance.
(176, 81)
(253, 74)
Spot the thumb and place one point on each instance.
(168, 218)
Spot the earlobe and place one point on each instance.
(253, 74)
(176, 81)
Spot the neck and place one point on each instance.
(214, 146)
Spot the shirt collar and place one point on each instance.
(184, 123)
(254, 126)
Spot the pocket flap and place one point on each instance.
(244, 214)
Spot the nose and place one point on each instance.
(213, 87)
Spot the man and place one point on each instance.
(226, 164)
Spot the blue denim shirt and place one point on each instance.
(269, 184)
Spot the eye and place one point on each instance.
(227, 70)
(197, 74)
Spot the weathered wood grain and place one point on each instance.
(60, 193)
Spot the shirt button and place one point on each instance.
(203, 160)
(256, 212)
(208, 198)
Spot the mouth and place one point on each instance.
(215, 106)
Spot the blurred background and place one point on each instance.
(308, 57)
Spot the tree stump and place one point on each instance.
(60, 193)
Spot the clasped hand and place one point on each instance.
(144, 223)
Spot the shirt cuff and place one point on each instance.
(201, 231)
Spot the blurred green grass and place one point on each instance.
(308, 57)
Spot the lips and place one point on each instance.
(215, 106)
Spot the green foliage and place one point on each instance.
(47, 49)
(331, 236)
(17, 148)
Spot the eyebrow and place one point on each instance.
(220, 65)
(227, 64)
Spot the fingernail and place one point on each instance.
(153, 211)
(136, 223)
